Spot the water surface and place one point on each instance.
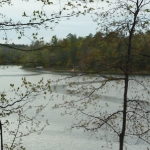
(57, 135)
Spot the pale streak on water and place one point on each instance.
(56, 136)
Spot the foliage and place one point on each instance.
(18, 102)
(91, 53)
(114, 49)
(123, 23)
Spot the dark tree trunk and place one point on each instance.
(122, 135)
(1, 135)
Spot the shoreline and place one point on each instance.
(76, 71)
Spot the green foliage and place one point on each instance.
(99, 52)
(22, 100)
(118, 47)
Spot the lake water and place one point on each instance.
(57, 135)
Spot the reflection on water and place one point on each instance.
(56, 136)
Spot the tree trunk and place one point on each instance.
(122, 135)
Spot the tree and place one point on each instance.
(112, 21)
(18, 102)
(38, 19)
(126, 19)
(22, 102)
(73, 48)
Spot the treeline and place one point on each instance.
(99, 52)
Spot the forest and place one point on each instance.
(93, 53)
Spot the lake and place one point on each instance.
(57, 135)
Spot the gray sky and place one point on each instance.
(81, 26)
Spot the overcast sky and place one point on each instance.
(81, 26)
